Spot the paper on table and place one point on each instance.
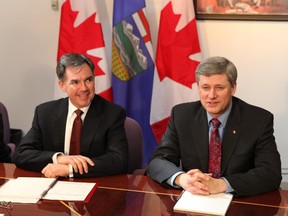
(25, 189)
(70, 191)
(216, 204)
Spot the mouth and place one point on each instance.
(212, 103)
(83, 96)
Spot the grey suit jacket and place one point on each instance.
(250, 160)
(103, 137)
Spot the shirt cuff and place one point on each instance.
(54, 157)
(171, 180)
(229, 188)
(71, 175)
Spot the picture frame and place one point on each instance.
(265, 10)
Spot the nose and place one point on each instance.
(83, 86)
(212, 93)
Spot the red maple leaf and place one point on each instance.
(86, 36)
(174, 49)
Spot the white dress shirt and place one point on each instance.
(68, 130)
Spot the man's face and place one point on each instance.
(79, 84)
(215, 93)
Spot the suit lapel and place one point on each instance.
(58, 130)
(200, 137)
(88, 130)
(231, 136)
(91, 123)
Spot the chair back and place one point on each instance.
(6, 124)
(135, 144)
(6, 129)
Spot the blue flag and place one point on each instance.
(133, 66)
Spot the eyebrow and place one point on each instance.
(90, 77)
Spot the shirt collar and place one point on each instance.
(223, 118)
(72, 108)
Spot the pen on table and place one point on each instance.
(180, 194)
(50, 186)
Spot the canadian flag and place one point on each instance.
(178, 54)
(81, 32)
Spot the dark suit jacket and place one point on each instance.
(4, 148)
(250, 160)
(103, 137)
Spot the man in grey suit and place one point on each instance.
(250, 162)
(103, 143)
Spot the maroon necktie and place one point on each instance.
(215, 150)
(76, 134)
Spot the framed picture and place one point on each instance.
(274, 10)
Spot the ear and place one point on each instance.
(62, 85)
(234, 89)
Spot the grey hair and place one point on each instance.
(217, 65)
(72, 60)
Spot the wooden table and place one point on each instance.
(136, 195)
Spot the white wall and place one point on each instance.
(28, 47)
(28, 44)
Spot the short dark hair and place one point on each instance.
(72, 60)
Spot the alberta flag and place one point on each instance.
(81, 32)
(178, 55)
(133, 66)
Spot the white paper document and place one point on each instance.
(25, 189)
(32, 189)
(216, 204)
(69, 191)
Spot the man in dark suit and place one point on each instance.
(103, 143)
(249, 163)
(4, 148)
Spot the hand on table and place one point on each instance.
(198, 182)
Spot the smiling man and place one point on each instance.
(238, 154)
(100, 149)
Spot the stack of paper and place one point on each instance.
(216, 204)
